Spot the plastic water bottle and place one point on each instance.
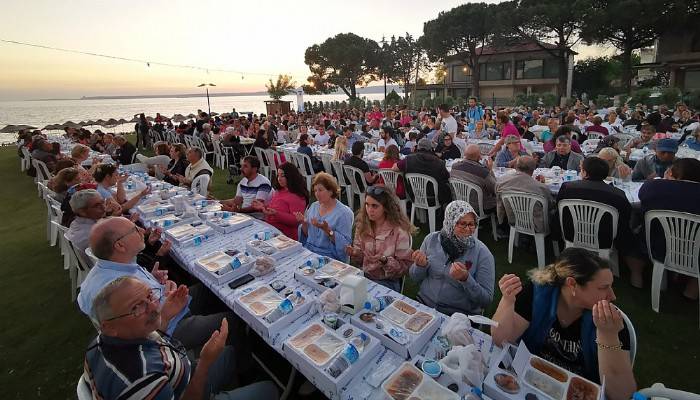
(285, 307)
(474, 394)
(378, 303)
(349, 355)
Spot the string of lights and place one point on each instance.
(148, 63)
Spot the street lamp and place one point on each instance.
(466, 85)
(206, 85)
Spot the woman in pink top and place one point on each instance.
(507, 129)
(391, 157)
(382, 245)
(290, 196)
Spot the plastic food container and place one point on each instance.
(408, 382)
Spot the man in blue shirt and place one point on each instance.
(474, 113)
(131, 359)
(116, 242)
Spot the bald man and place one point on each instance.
(116, 242)
(472, 170)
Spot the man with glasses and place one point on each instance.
(132, 358)
(116, 242)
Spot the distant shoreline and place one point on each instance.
(360, 91)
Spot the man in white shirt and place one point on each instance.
(253, 186)
(448, 123)
(322, 137)
(386, 140)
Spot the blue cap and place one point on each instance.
(669, 145)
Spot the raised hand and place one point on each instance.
(160, 275)
(510, 286)
(215, 345)
(419, 258)
(459, 272)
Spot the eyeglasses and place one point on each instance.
(467, 225)
(154, 295)
(132, 230)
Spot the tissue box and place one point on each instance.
(418, 322)
(276, 247)
(220, 268)
(226, 222)
(257, 301)
(300, 350)
(536, 376)
(335, 269)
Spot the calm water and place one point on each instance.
(42, 113)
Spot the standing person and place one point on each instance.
(252, 187)
(382, 245)
(326, 229)
(448, 124)
(142, 132)
(288, 198)
(565, 315)
(455, 270)
(474, 113)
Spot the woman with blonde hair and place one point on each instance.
(382, 245)
(565, 315)
(340, 149)
(80, 153)
(617, 168)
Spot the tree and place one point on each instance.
(343, 61)
(545, 21)
(404, 59)
(598, 75)
(612, 22)
(463, 31)
(283, 86)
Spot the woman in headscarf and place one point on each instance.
(454, 269)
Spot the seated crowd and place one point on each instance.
(140, 300)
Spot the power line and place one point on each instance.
(135, 60)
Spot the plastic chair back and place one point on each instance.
(682, 234)
(83, 389)
(594, 135)
(326, 160)
(390, 178)
(586, 216)
(42, 171)
(338, 172)
(467, 191)
(624, 139)
(355, 176)
(305, 166)
(419, 187)
(370, 147)
(200, 185)
(523, 207)
(486, 148)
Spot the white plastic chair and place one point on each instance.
(633, 336)
(326, 160)
(42, 171)
(463, 191)
(26, 161)
(220, 159)
(273, 160)
(590, 144)
(83, 389)
(419, 187)
(78, 269)
(56, 215)
(91, 256)
(264, 168)
(200, 185)
(586, 216)
(593, 135)
(486, 148)
(205, 151)
(523, 207)
(682, 234)
(63, 243)
(353, 174)
(370, 147)
(340, 176)
(306, 168)
(391, 179)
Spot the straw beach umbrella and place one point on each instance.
(71, 124)
(179, 118)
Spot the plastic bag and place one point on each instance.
(263, 266)
(456, 329)
(465, 364)
(329, 301)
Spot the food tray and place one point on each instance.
(408, 382)
(220, 268)
(318, 344)
(336, 270)
(185, 232)
(407, 317)
(277, 247)
(228, 222)
(261, 301)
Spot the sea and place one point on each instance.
(40, 113)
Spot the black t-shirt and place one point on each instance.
(560, 161)
(563, 344)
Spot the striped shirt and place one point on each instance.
(152, 368)
(258, 188)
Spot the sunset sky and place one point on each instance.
(267, 37)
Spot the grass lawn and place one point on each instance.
(44, 336)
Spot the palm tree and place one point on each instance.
(283, 86)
